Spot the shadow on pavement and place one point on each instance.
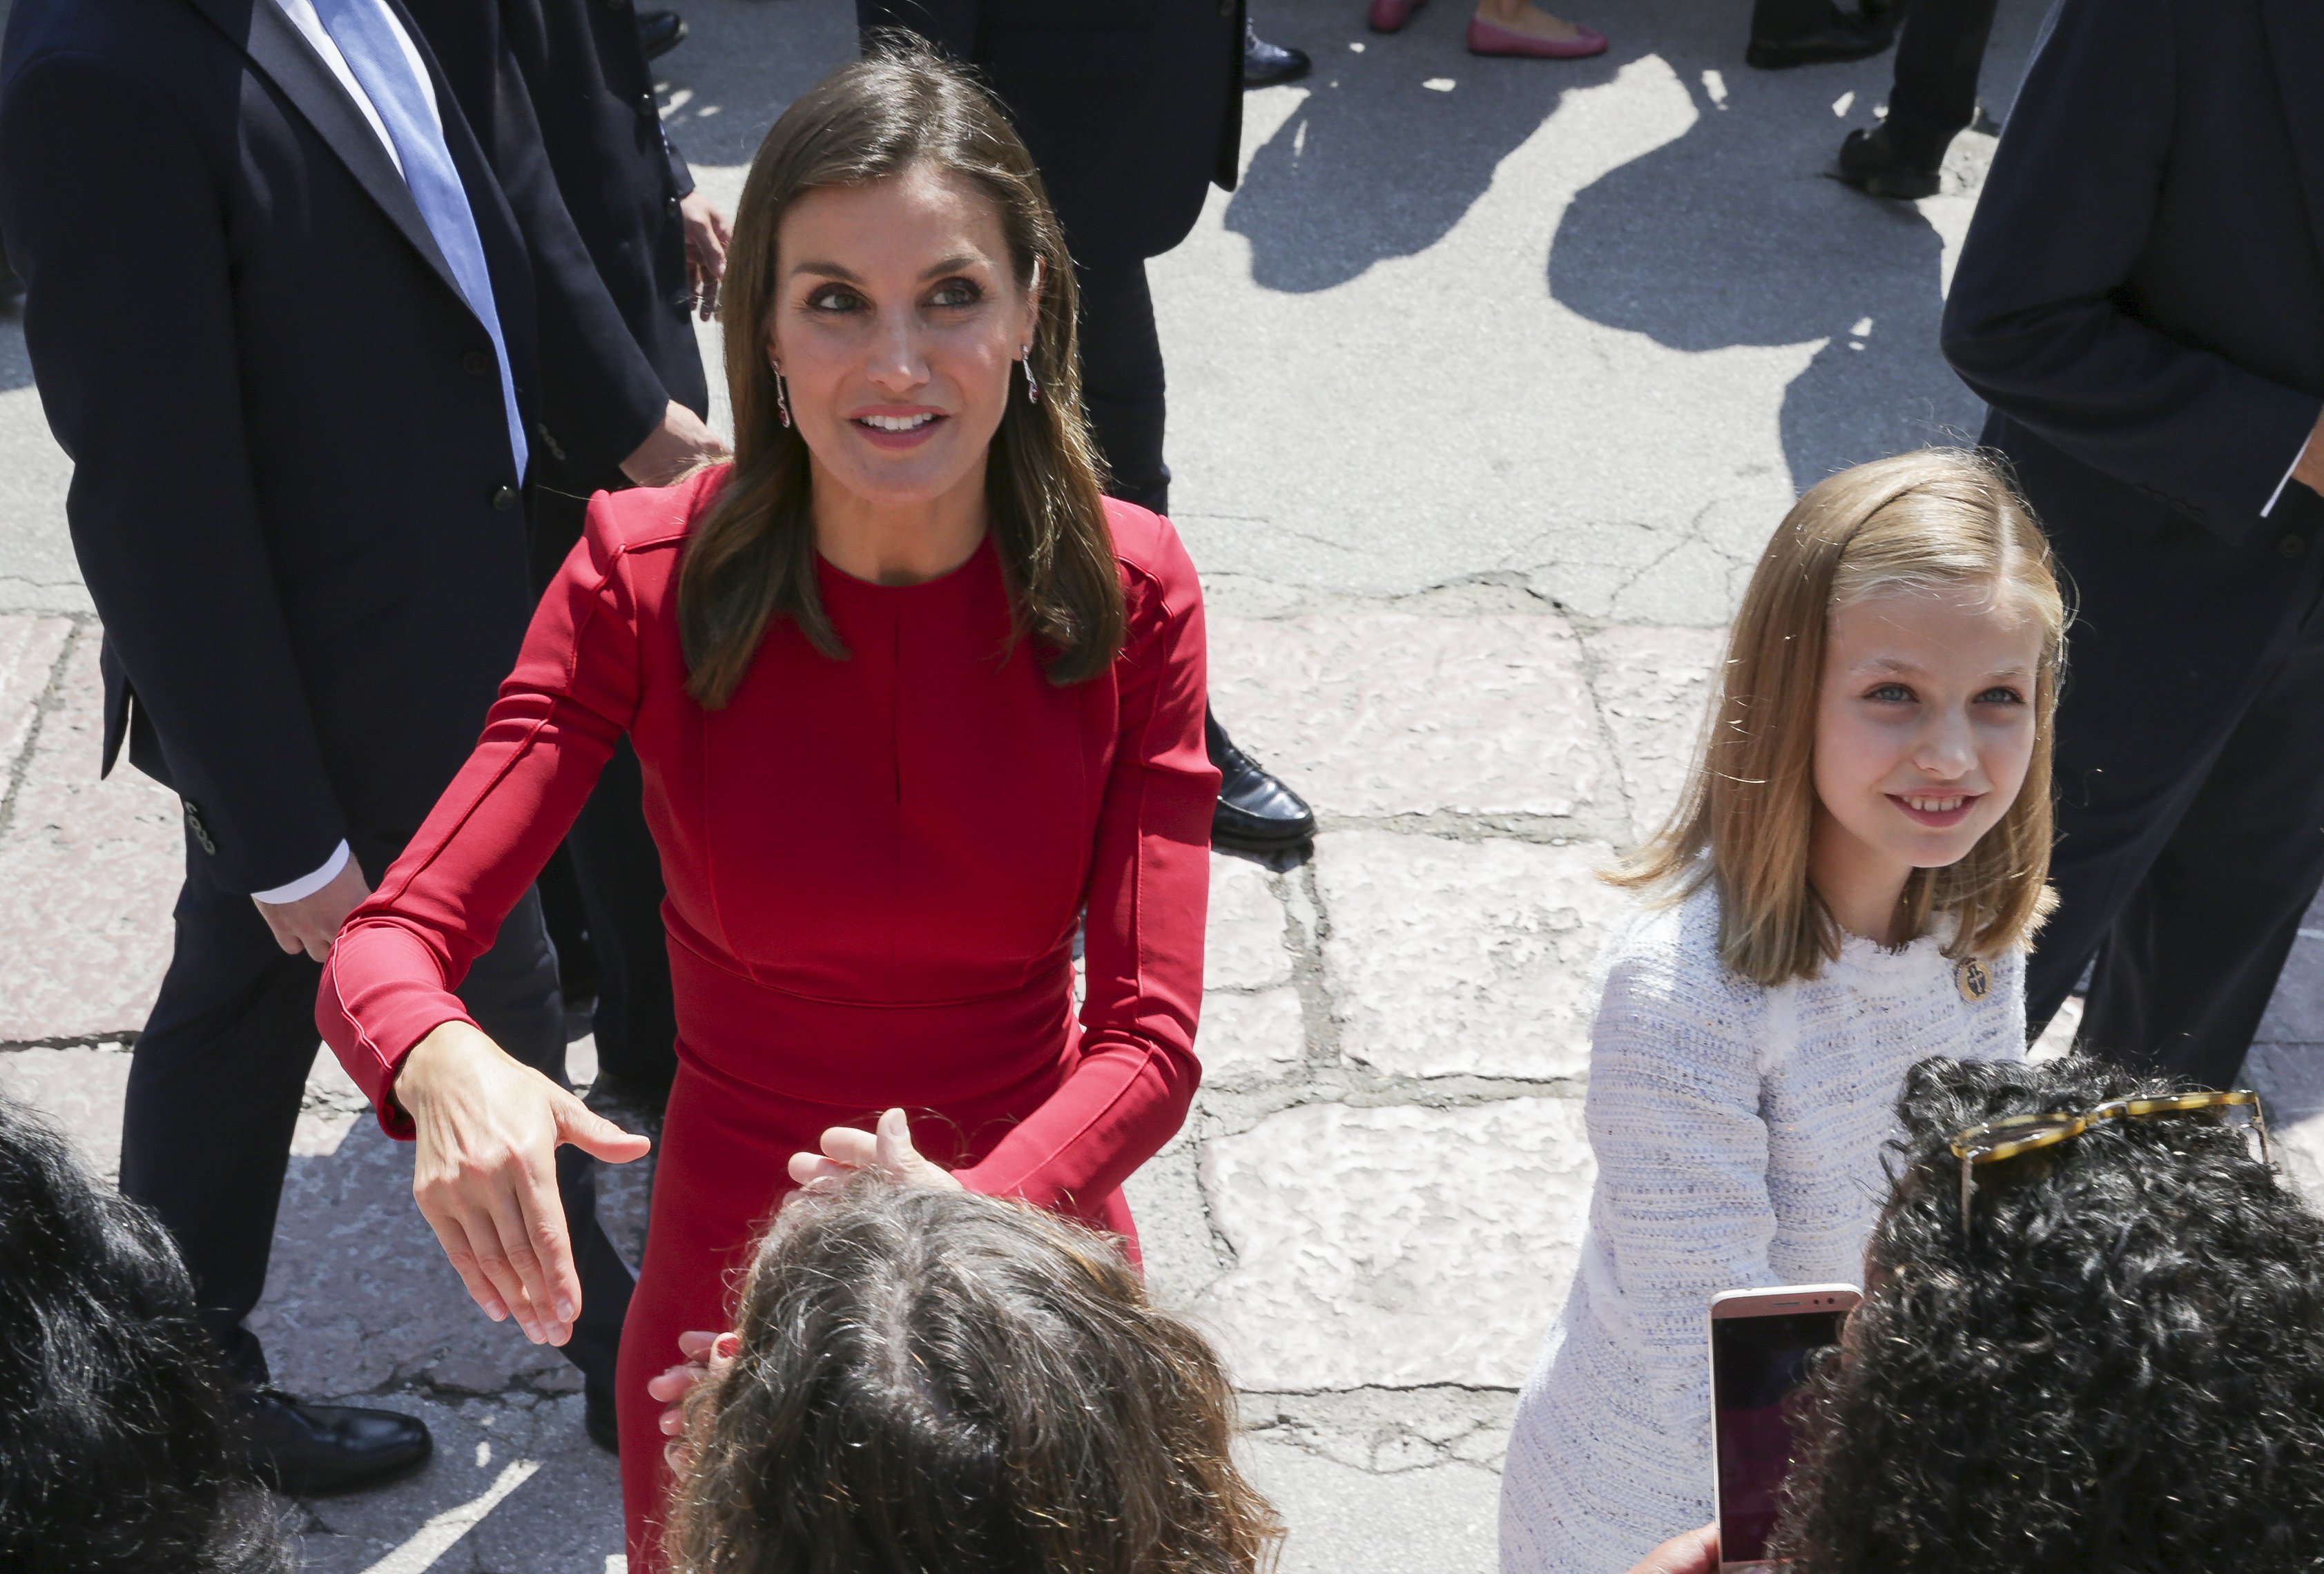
(1375, 164)
(1731, 235)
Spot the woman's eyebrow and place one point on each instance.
(827, 270)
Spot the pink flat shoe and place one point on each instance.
(1390, 15)
(1488, 38)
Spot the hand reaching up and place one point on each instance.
(888, 1149)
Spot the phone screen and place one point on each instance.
(1756, 1366)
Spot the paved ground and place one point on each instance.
(1488, 384)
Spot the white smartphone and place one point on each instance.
(1760, 1344)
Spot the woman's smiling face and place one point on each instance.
(896, 324)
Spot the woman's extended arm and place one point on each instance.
(1150, 890)
(487, 1127)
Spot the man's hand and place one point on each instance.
(484, 1174)
(2309, 471)
(707, 234)
(674, 448)
(311, 923)
(1695, 1552)
(889, 1150)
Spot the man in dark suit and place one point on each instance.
(2141, 298)
(293, 352)
(1133, 110)
(570, 77)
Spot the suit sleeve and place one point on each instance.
(1148, 892)
(400, 955)
(2033, 323)
(599, 395)
(949, 25)
(118, 224)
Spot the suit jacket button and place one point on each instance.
(476, 363)
(646, 105)
(201, 832)
(2289, 547)
(505, 498)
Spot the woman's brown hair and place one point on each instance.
(937, 1380)
(751, 555)
(1940, 517)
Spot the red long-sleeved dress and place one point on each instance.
(874, 866)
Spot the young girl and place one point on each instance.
(1848, 886)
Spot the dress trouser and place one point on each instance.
(1938, 59)
(1123, 381)
(218, 1075)
(2191, 775)
(616, 868)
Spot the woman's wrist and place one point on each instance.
(425, 1062)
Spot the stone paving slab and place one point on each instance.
(80, 1091)
(1478, 958)
(1395, 1246)
(1391, 712)
(30, 646)
(89, 870)
(1652, 686)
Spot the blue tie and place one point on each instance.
(362, 31)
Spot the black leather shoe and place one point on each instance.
(1264, 64)
(598, 1420)
(1256, 813)
(661, 31)
(1843, 36)
(1870, 161)
(314, 1450)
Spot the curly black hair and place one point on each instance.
(115, 1448)
(2122, 1369)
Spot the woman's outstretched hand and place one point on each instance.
(887, 1148)
(707, 1355)
(485, 1173)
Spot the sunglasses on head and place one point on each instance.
(1995, 1140)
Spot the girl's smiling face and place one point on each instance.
(1925, 730)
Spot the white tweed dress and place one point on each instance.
(1738, 1133)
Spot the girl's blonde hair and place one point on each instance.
(1941, 517)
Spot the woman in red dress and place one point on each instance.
(913, 702)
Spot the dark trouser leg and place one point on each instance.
(1938, 58)
(214, 1086)
(2189, 963)
(1123, 381)
(618, 872)
(511, 992)
(2191, 790)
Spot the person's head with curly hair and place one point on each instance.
(931, 1379)
(2121, 1368)
(118, 1453)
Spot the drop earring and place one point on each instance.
(782, 400)
(1032, 383)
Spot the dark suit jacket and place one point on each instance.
(294, 500)
(592, 95)
(2140, 296)
(1133, 109)
(600, 393)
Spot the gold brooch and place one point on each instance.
(1973, 979)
